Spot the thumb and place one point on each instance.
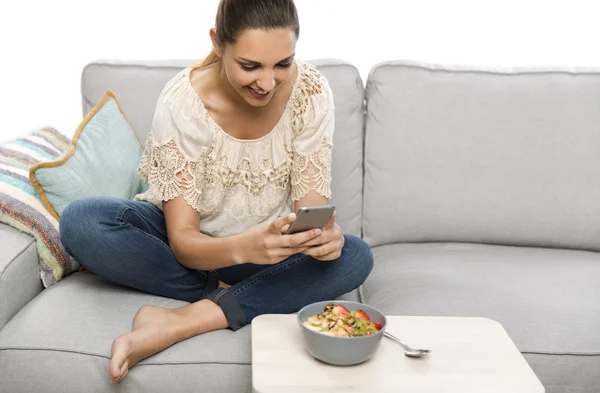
(331, 221)
(278, 224)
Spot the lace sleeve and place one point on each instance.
(311, 162)
(167, 166)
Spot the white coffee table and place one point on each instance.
(468, 355)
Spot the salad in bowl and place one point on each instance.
(341, 332)
(337, 320)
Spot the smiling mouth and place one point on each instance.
(261, 94)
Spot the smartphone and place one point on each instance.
(311, 217)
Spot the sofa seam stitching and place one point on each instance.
(560, 353)
(108, 357)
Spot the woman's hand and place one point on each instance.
(327, 246)
(265, 244)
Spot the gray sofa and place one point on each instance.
(478, 190)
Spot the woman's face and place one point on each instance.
(259, 62)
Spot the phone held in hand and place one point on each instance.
(311, 217)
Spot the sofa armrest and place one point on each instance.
(20, 278)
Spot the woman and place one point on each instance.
(238, 144)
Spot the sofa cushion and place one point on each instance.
(546, 299)
(138, 85)
(348, 141)
(466, 154)
(566, 373)
(20, 204)
(102, 161)
(60, 342)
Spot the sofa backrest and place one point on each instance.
(137, 86)
(466, 154)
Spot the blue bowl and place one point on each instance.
(341, 351)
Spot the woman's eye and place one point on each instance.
(252, 68)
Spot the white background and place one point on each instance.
(46, 44)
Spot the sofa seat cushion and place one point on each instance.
(548, 300)
(60, 342)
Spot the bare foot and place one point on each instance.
(154, 329)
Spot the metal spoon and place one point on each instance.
(408, 351)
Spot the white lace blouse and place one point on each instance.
(233, 183)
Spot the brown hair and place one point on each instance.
(235, 16)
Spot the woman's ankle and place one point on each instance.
(200, 317)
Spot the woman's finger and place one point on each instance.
(299, 238)
(330, 224)
(329, 257)
(277, 225)
(324, 238)
(287, 251)
(320, 251)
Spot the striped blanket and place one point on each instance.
(20, 205)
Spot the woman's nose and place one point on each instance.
(267, 81)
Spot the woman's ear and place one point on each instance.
(215, 42)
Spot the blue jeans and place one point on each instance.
(126, 242)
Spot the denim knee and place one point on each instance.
(79, 221)
(357, 254)
(69, 225)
